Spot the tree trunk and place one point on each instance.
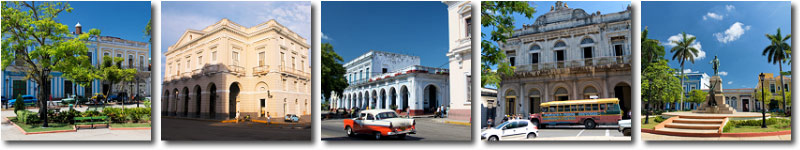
(783, 93)
(682, 92)
(43, 96)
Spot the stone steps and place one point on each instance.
(687, 130)
(693, 126)
(698, 121)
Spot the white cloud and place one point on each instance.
(730, 7)
(712, 16)
(730, 82)
(325, 37)
(689, 71)
(733, 33)
(700, 53)
(723, 73)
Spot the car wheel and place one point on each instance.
(531, 135)
(626, 132)
(377, 135)
(590, 124)
(493, 139)
(401, 136)
(349, 131)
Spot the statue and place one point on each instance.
(715, 65)
(713, 101)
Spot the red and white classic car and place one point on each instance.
(379, 123)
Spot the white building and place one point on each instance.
(383, 80)
(567, 54)
(459, 14)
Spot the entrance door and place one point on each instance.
(534, 104)
(746, 105)
(68, 88)
(263, 107)
(20, 88)
(510, 105)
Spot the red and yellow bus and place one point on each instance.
(589, 112)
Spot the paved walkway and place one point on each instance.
(657, 137)
(11, 133)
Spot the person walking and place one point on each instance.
(269, 119)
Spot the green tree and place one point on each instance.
(35, 43)
(684, 51)
(498, 15)
(768, 96)
(111, 71)
(333, 72)
(697, 96)
(652, 50)
(776, 53)
(660, 84)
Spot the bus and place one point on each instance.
(588, 112)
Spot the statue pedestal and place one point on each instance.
(722, 107)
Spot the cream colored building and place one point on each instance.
(773, 84)
(459, 14)
(568, 54)
(227, 68)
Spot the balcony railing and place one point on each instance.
(598, 61)
(197, 72)
(408, 70)
(259, 70)
(138, 68)
(238, 70)
(290, 70)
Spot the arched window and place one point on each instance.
(561, 94)
(587, 41)
(589, 91)
(560, 44)
(535, 48)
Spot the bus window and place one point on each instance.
(567, 108)
(560, 108)
(552, 109)
(574, 108)
(602, 107)
(594, 107)
(580, 107)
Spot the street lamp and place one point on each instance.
(763, 101)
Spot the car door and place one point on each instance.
(510, 128)
(358, 123)
(522, 127)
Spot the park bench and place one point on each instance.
(91, 121)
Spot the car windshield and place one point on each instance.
(502, 125)
(387, 115)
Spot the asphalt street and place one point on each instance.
(576, 132)
(186, 129)
(428, 129)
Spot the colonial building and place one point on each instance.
(384, 80)
(741, 99)
(567, 54)
(135, 54)
(488, 105)
(460, 56)
(773, 84)
(227, 68)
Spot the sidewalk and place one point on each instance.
(656, 137)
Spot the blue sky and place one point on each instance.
(734, 31)
(413, 28)
(177, 17)
(543, 7)
(125, 20)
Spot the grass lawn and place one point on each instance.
(38, 127)
(651, 125)
(756, 127)
(130, 125)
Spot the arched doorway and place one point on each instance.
(393, 98)
(233, 101)
(197, 100)
(175, 100)
(590, 92)
(431, 100)
(622, 91)
(404, 98)
(511, 102)
(534, 100)
(383, 99)
(186, 101)
(285, 106)
(561, 94)
(212, 101)
(373, 100)
(165, 107)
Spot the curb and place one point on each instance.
(43, 132)
(138, 128)
(752, 134)
(458, 123)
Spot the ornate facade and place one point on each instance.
(567, 54)
(227, 68)
(460, 57)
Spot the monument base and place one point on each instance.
(720, 108)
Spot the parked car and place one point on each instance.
(380, 123)
(27, 99)
(291, 118)
(511, 128)
(625, 127)
(119, 97)
(98, 98)
(74, 100)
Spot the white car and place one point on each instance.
(625, 127)
(511, 128)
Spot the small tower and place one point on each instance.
(78, 28)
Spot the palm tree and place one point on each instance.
(777, 53)
(651, 49)
(684, 51)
